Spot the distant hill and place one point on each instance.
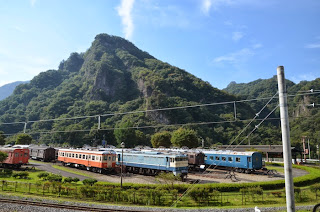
(7, 89)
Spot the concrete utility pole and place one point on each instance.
(286, 139)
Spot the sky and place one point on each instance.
(218, 41)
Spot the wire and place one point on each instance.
(154, 110)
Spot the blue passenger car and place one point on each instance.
(153, 162)
(241, 161)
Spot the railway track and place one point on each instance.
(62, 206)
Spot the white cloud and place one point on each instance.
(33, 2)
(235, 57)
(257, 46)
(124, 11)
(236, 36)
(205, 6)
(304, 76)
(312, 46)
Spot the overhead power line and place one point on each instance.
(154, 110)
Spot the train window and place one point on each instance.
(211, 157)
(191, 156)
(86, 157)
(83, 156)
(76, 155)
(217, 158)
(25, 154)
(238, 159)
(80, 156)
(73, 155)
(114, 158)
(93, 157)
(249, 160)
(205, 157)
(223, 158)
(109, 157)
(230, 159)
(62, 153)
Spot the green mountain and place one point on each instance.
(114, 78)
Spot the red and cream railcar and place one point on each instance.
(96, 161)
(16, 157)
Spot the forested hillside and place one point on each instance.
(113, 78)
(304, 117)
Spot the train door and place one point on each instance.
(249, 162)
(167, 162)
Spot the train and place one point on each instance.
(43, 153)
(153, 162)
(144, 161)
(96, 161)
(243, 162)
(16, 157)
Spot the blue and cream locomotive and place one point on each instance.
(241, 161)
(151, 162)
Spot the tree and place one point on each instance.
(124, 133)
(3, 156)
(2, 138)
(24, 139)
(184, 137)
(161, 139)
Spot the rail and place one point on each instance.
(62, 206)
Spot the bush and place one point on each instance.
(21, 175)
(5, 172)
(90, 182)
(54, 177)
(43, 175)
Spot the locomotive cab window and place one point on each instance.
(224, 158)
(230, 159)
(237, 159)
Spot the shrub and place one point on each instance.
(43, 175)
(90, 182)
(5, 172)
(21, 175)
(54, 177)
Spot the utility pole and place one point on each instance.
(286, 139)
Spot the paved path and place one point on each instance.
(48, 167)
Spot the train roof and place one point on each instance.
(7, 149)
(228, 152)
(150, 153)
(40, 147)
(89, 151)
